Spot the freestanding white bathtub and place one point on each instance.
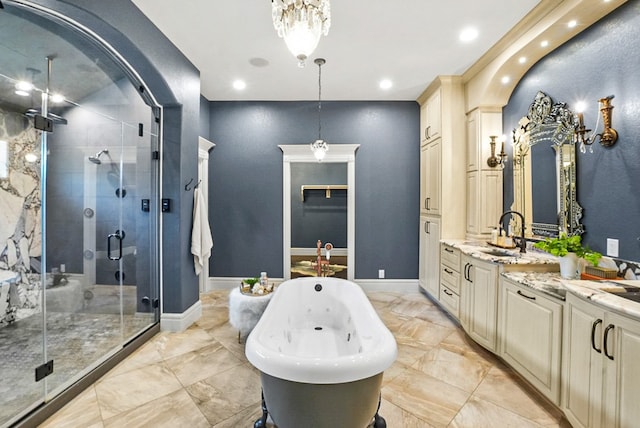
(321, 349)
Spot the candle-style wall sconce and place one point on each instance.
(607, 137)
(493, 160)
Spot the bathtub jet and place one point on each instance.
(321, 350)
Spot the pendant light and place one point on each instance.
(319, 147)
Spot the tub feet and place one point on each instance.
(262, 422)
(378, 421)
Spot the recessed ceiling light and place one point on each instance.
(239, 85)
(522, 59)
(505, 80)
(468, 34)
(544, 43)
(386, 84)
(572, 23)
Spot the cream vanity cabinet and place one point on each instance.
(429, 263)
(483, 183)
(450, 279)
(430, 176)
(442, 185)
(431, 117)
(478, 304)
(600, 366)
(530, 336)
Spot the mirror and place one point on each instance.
(318, 205)
(544, 170)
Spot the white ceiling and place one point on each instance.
(407, 41)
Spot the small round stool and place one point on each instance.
(245, 310)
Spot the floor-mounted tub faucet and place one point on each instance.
(523, 242)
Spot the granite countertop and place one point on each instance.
(603, 293)
(550, 283)
(483, 251)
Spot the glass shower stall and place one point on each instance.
(79, 197)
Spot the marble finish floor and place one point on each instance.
(201, 378)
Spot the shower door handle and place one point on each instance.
(119, 238)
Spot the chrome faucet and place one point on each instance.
(523, 242)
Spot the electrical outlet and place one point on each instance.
(612, 247)
(381, 273)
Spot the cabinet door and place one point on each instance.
(434, 176)
(622, 385)
(472, 141)
(430, 259)
(482, 302)
(430, 179)
(434, 115)
(530, 336)
(582, 363)
(473, 208)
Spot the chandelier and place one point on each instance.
(319, 147)
(301, 23)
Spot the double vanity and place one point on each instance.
(577, 342)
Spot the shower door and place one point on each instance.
(79, 186)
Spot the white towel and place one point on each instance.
(201, 241)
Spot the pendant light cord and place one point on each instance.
(319, 100)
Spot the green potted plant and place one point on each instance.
(568, 249)
(246, 285)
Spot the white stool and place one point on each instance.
(245, 310)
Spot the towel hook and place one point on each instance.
(187, 188)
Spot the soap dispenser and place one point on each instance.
(494, 236)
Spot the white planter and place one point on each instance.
(569, 266)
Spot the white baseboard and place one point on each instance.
(180, 322)
(393, 285)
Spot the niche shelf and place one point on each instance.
(326, 187)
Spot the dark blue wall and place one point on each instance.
(601, 61)
(246, 181)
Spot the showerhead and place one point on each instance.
(96, 159)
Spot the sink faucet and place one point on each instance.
(523, 242)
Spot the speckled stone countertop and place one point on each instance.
(550, 283)
(603, 293)
(484, 251)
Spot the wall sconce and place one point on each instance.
(607, 137)
(493, 160)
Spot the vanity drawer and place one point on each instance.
(450, 301)
(450, 256)
(450, 277)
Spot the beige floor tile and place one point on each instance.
(420, 331)
(172, 344)
(117, 394)
(170, 411)
(225, 394)
(397, 417)
(425, 397)
(202, 363)
(503, 388)
(83, 411)
(245, 418)
(464, 372)
(477, 413)
(145, 355)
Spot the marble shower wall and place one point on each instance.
(20, 224)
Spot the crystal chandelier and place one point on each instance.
(301, 23)
(319, 147)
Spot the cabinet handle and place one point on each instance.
(450, 272)
(525, 296)
(606, 334)
(593, 335)
(447, 292)
(426, 227)
(427, 203)
(426, 132)
(467, 272)
(449, 250)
